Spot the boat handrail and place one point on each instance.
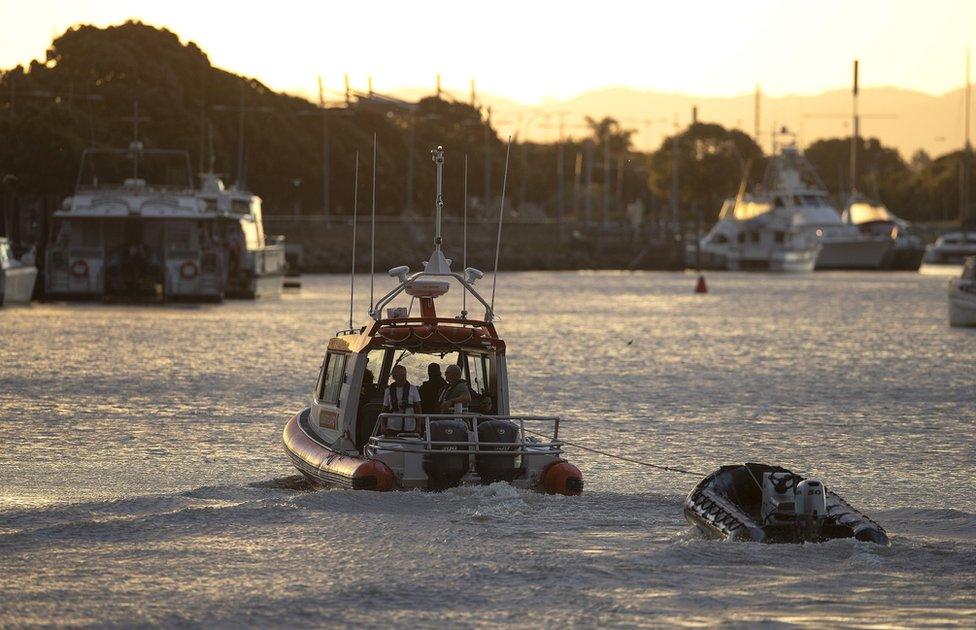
(471, 446)
(376, 311)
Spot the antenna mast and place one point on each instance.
(355, 216)
(967, 161)
(438, 157)
(464, 239)
(372, 230)
(501, 215)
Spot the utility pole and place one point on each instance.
(487, 198)
(675, 167)
(755, 115)
(412, 136)
(606, 178)
(588, 198)
(560, 198)
(241, 110)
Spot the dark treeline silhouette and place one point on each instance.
(84, 91)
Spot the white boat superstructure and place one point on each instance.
(962, 296)
(791, 183)
(137, 229)
(255, 261)
(952, 248)
(16, 276)
(874, 219)
(752, 234)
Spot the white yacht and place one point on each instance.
(752, 234)
(962, 296)
(792, 183)
(16, 276)
(952, 248)
(906, 247)
(136, 229)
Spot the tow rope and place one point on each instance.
(622, 458)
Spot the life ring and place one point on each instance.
(79, 269)
(189, 270)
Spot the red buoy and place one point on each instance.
(701, 287)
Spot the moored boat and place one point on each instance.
(16, 276)
(349, 438)
(962, 296)
(761, 503)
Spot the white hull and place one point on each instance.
(859, 253)
(17, 285)
(962, 305)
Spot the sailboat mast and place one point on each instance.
(967, 157)
(855, 134)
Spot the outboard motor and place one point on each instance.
(811, 509)
(493, 468)
(444, 471)
(777, 497)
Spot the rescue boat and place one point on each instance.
(346, 439)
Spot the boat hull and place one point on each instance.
(853, 253)
(716, 507)
(962, 305)
(326, 467)
(17, 285)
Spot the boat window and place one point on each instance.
(754, 236)
(778, 202)
(331, 382)
(720, 238)
(779, 236)
(742, 237)
(478, 374)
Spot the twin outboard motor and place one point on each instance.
(811, 508)
(443, 470)
(492, 468)
(803, 505)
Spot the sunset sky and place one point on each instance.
(536, 51)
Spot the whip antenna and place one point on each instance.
(372, 231)
(464, 239)
(501, 214)
(355, 205)
(438, 157)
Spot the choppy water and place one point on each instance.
(140, 449)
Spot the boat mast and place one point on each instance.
(967, 159)
(855, 134)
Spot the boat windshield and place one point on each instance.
(864, 212)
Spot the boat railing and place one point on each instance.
(542, 440)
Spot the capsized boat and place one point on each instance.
(761, 503)
(962, 296)
(346, 438)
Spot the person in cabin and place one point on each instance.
(370, 390)
(430, 390)
(401, 398)
(456, 390)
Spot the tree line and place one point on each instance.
(300, 156)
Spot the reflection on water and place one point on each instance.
(142, 460)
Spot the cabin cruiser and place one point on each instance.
(752, 234)
(962, 296)
(136, 229)
(347, 439)
(906, 248)
(792, 183)
(952, 248)
(762, 503)
(16, 276)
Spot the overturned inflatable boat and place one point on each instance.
(771, 504)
